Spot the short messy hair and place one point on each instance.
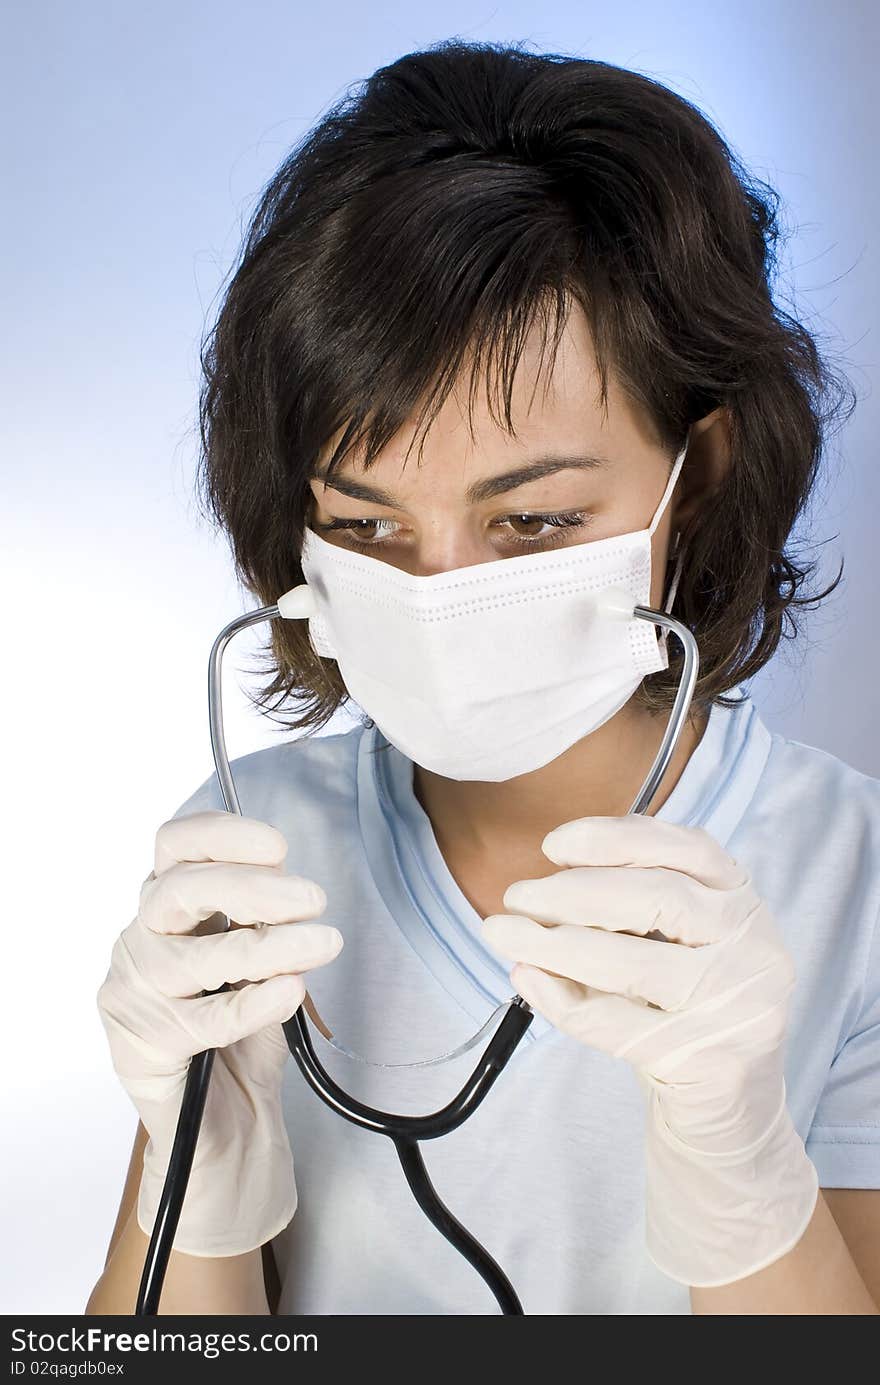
(455, 198)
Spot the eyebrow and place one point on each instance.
(486, 489)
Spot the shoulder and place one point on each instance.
(786, 798)
(820, 790)
(328, 761)
(812, 834)
(300, 773)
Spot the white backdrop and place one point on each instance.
(138, 138)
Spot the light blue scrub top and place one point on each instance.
(548, 1174)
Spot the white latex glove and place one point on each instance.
(241, 1189)
(701, 1017)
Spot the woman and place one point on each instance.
(552, 275)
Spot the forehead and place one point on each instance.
(555, 405)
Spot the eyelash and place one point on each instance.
(575, 519)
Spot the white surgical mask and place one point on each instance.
(492, 670)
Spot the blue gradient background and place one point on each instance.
(137, 139)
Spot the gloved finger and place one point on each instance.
(638, 900)
(186, 893)
(216, 1021)
(637, 840)
(607, 1022)
(217, 836)
(182, 966)
(657, 973)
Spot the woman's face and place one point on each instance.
(571, 476)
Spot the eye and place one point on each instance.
(558, 525)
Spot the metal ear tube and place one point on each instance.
(406, 1132)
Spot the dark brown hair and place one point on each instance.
(462, 194)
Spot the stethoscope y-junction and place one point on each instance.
(406, 1132)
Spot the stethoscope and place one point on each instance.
(406, 1132)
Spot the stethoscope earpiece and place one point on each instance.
(298, 603)
(615, 602)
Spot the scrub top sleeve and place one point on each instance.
(844, 1139)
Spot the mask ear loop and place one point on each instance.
(670, 486)
(673, 588)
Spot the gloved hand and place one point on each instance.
(241, 1190)
(701, 1015)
